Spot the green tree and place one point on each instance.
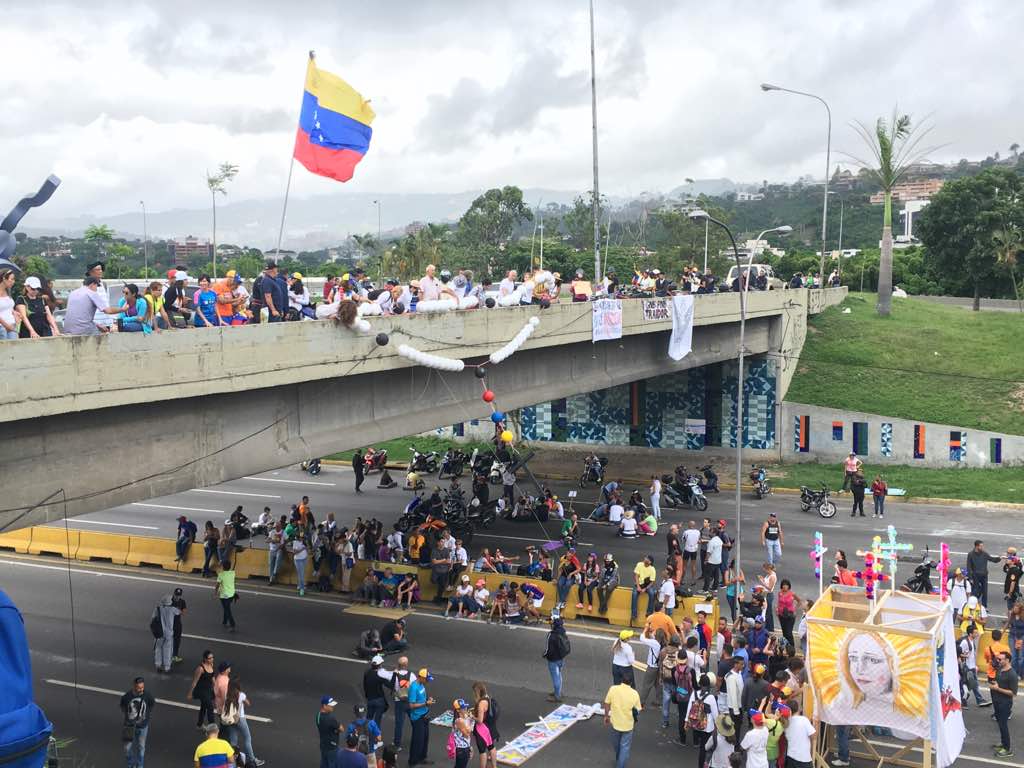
(117, 258)
(1008, 244)
(579, 221)
(958, 228)
(99, 235)
(488, 224)
(37, 265)
(217, 183)
(894, 146)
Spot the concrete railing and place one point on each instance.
(48, 377)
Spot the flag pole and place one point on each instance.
(287, 189)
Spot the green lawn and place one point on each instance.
(1006, 484)
(926, 362)
(398, 450)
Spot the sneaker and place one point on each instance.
(257, 762)
(302, 593)
(984, 703)
(1003, 752)
(552, 697)
(840, 763)
(177, 660)
(590, 608)
(579, 606)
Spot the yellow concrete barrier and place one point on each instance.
(193, 562)
(53, 541)
(111, 547)
(144, 550)
(252, 562)
(16, 541)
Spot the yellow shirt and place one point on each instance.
(622, 699)
(214, 753)
(645, 573)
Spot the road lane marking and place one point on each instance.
(73, 521)
(183, 509)
(165, 702)
(294, 482)
(233, 493)
(961, 756)
(275, 648)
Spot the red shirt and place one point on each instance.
(879, 488)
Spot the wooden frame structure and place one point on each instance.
(850, 608)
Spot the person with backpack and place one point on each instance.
(399, 684)
(667, 660)
(234, 709)
(486, 712)
(557, 651)
(684, 677)
(161, 624)
(137, 707)
(653, 640)
(367, 733)
(701, 712)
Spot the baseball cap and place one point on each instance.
(33, 282)
(180, 274)
(328, 701)
(481, 583)
(757, 718)
(177, 592)
(296, 275)
(772, 514)
(626, 634)
(759, 669)
(377, 660)
(170, 273)
(459, 704)
(424, 674)
(359, 710)
(230, 273)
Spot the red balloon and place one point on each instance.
(488, 396)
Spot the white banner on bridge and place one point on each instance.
(607, 320)
(681, 341)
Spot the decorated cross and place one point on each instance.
(815, 554)
(872, 570)
(890, 550)
(944, 564)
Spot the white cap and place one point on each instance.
(33, 282)
(377, 660)
(180, 275)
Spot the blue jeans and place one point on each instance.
(843, 742)
(621, 742)
(329, 758)
(181, 548)
(8, 335)
(666, 701)
(879, 505)
(210, 551)
(769, 612)
(375, 709)
(135, 750)
(275, 563)
(401, 715)
(1016, 657)
(555, 670)
(564, 585)
(246, 741)
(300, 574)
(651, 597)
(774, 549)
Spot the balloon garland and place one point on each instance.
(816, 554)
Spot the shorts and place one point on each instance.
(689, 555)
(481, 745)
(538, 602)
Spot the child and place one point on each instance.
(500, 603)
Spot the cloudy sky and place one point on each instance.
(135, 100)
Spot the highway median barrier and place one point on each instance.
(16, 541)
(54, 541)
(104, 547)
(252, 563)
(154, 553)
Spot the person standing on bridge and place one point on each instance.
(358, 467)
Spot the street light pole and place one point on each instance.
(380, 245)
(593, 120)
(145, 241)
(705, 246)
(828, 162)
(698, 214)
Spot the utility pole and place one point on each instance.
(145, 241)
(593, 113)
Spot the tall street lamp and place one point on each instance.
(842, 206)
(145, 241)
(697, 216)
(380, 246)
(828, 162)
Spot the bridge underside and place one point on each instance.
(112, 456)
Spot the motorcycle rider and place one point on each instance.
(772, 538)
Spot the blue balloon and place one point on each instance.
(497, 417)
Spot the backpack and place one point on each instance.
(401, 691)
(492, 710)
(363, 732)
(451, 746)
(668, 664)
(697, 717)
(156, 626)
(230, 714)
(683, 678)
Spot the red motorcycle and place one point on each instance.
(374, 461)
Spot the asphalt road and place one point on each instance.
(288, 652)
(332, 491)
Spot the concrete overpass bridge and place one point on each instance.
(95, 422)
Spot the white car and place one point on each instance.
(759, 269)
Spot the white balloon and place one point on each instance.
(535, 321)
(369, 308)
(468, 302)
(363, 326)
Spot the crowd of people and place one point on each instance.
(183, 301)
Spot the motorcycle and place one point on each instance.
(482, 515)
(710, 483)
(921, 582)
(374, 460)
(481, 463)
(593, 470)
(453, 463)
(820, 500)
(759, 477)
(496, 471)
(683, 489)
(423, 462)
(312, 467)
(414, 514)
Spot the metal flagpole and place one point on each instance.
(287, 189)
(593, 112)
(706, 224)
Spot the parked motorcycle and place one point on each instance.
(374, 460)
(593, 470)
(921, 581)
(759, 477)
(710, 482)
(312, 467)
(423, 462)
(453, 463)
(819, 500)
(683, 489)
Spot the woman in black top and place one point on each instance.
(202, 689)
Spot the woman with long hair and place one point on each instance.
(786, 608)
(241, 732)
(135, 315)
(211, 542)
(8, 322)
(486, 738)
(623, 658)
(201, 689)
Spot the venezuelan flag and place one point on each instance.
(334, 125)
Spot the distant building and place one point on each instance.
(842, 180)
(746, 197)
(183, 250)
(920, 189)
(277, 255)
(759, 247)
(414, 227)
(229, 250)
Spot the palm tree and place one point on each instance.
(99, 235)
(1008, 244)
(1015, 147)
(216, 183)
(895, 146)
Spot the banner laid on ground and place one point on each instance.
(543, 732)
(607, 320)
(681, 342)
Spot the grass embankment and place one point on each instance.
(1006, 484)
(400, 450)
(925, 362)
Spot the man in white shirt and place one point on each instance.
(756, 743)
(667, 592)
(798, 738)
(969, 655)
(713, 559)
(653, 671)
(691, 547)
(734, 690)
(430, 286)
(508, 285)
(615, 513)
